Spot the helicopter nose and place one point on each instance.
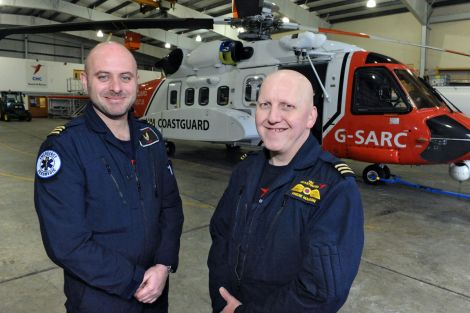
(450, 140)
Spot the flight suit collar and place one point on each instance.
(96, 124)
(306, 157)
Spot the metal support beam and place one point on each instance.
(299, 15)
(419, 8)
(449, 18)
(26, 47)
(424, 42)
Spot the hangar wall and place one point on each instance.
(59, 48)
(398, 26)
(450, 35)
(45, 77)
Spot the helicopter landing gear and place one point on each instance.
(231, 148)
(374, 171)
(170, 148)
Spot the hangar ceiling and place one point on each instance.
(324, 13)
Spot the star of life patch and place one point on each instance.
(48, 164)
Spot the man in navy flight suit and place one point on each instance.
(287, 235)
(107, 200)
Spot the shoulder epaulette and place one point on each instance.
(246, 155)
(57, 131)
(344, 169)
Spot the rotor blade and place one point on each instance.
(401, 42)
(244, 8)
(367, 36)
(113, 25)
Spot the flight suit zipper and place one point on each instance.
(155, 176)
(243, 261)
(276, 216)
(141, 201)
(108, 169)
(237, 211)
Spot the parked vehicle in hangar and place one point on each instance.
(12, 107)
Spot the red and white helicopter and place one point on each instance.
(371, 107)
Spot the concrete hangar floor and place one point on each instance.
(416, 256)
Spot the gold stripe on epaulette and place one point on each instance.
(342, 166)
(57, 130)
(344, 169)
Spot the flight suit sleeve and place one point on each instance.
(171, 215)
(67, 238)
(220, 230)
(331, 261)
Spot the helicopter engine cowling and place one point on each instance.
(460, 171)
(305, 40)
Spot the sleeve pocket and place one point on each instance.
(326, 271)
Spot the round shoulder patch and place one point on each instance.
(48, 164)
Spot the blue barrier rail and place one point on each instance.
(396, 179)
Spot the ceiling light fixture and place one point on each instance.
(99, 34)
(198, 38)
(167, 45)
(371, 4)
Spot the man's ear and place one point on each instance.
(83, 78)
(312, 117)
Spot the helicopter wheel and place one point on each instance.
(374, 171)
(387, 173)
(170, 148)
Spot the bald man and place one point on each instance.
(107, 201)
(287, 235)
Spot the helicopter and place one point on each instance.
(371, 107)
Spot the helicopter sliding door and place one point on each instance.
(174, 95)
(380, 126)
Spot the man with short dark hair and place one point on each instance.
(107, 200)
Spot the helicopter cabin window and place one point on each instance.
(420, 93)
(376, 92)
(189, 96)
(203, 96)
(174, 97)
(223, 95)
(252, 86)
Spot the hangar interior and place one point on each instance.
(416, 255)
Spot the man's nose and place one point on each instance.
(115, 85)
(275, 115)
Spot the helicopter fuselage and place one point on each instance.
(371, 107)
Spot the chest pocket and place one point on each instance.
(108, 203)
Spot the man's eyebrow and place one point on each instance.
(106, 72)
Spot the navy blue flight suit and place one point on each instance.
(104, 218)
(297, 249)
